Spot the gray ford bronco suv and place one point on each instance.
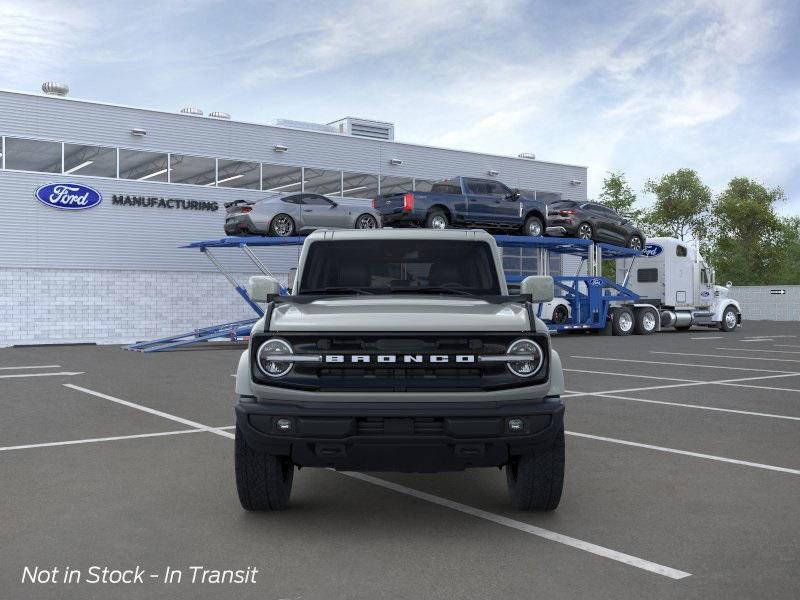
(400, 350)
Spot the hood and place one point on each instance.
(720, 291)
(399, 313)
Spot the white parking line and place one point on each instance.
(759, 350)
(674, 364)
(787, 346)
(633, 375)
(152, 411)
(708, 337)
(684, 405)
(685, 453)
(108, 439)
(31, 367)
(627, 559)
(794, 360)
(62, 373)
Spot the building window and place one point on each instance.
(196, 170)
(33, 155)
(90, 160)
(279, 178)
(143, 166)
(359, 185)
(320, 181)
(238, 174)
(681, 251)
(423, 185)
(396, 185)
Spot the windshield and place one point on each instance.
(400, 266)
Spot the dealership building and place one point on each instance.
(115, 272)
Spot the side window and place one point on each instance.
(703, 276)
(445, 187)
(292, 200)
(647, 275)
(680, 251)
(498, 189)
(315, 200)
(477, 187)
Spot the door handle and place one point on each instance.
(307, 210)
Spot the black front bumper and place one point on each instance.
(420, 437)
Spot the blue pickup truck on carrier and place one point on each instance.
(465, 202)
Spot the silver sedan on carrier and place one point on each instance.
(283, 215)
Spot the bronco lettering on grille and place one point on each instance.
(399, 358)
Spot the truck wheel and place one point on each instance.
(729, 320)
(645, 323)
(533, 227)
(535, 480)
(635, 242)
(585, 232)
(436, 219)
(622, 321)
(264, 481)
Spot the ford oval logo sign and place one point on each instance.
(652, 250)
(595, 282)
(68, 196)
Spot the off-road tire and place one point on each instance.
(264, 481)
(535, 481)
(560, 314)
(434, 216)
(619, 321)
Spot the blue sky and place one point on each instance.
(641, 87)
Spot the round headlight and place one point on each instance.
(528, 358)
(271, 358)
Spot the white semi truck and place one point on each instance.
(671, 276)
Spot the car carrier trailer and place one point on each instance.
(665, 269)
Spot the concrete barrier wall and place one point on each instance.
(767, 303)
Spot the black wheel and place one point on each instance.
(535, 481)
(282, 226)
(437, 219)
(264, 481)
(635, 242)
(585, 231)
(729, 319)
(645, 322)
(622, 321)
(533, 227)
(560, 314)
(366, 221)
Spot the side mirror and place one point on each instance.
(540, 288)
(729, 284)
(334, 204)
(514, 195)
(262, 288)
(290, 279)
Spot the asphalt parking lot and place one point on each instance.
(683, 481)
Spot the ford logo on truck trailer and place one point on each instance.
(652, 250)
(68, 196)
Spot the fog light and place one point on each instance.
(283, 424)
(516, 424)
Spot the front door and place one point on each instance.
(705, 291)
(319, 211)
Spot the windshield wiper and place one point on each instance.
(434, 290)
(337, 290)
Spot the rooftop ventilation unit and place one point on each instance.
(219, 115)
(376, 130)
(527, 155)
(53, 88)
(303, 125)
(192, 110)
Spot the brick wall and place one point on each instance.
(759, 304)
(40, 306)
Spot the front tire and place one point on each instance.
(560, 314)
(729, 320)
(366, 221)
(281, 226)
(535, 481)
(263, 481)
(533, 227)
(437, 219)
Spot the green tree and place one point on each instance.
(751, 244)
(618, 195)
(681, 206)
